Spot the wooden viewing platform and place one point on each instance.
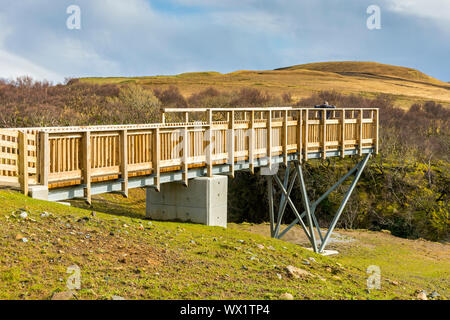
(81, 161)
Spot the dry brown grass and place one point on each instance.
(368, 79)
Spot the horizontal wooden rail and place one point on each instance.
(187, 138)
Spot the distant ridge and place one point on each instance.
(365, 68)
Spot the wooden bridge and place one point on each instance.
(81, 161)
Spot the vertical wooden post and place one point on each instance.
(269, 138)
(185, 156)
(209, 149)
(124, 161)
(306, 134)
(44, 158)
(156, 158)
(299, 135)
(163, 118)
(186, 117)
(251, 142)
(87, 166)
(324, 134)
(360, 122)
(285, 137)
(377, 124)
(231, 143)
(23, 162)
(343, 133)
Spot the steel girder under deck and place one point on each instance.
(286, 186)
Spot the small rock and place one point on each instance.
(337, 278)
(192, 242)
(241, 241)
(19, 236)
(125, 225)
(24, 240)
(244, 267)
(87, 236)
(271, 248)
(435, 295)
(422, 295)
(93, 214)
(279, 276)
(117, 298)
(260, 246)
(23, 215)
(287, 296)
(297, 272)
(312, 259)
(393, 282)
(64, 295)
(253, 258)
(45, 214)
(141, 227)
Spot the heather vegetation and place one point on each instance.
(404, 189)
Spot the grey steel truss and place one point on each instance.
(286, 186)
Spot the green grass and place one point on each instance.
(120, 253)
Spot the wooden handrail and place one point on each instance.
(65, 156)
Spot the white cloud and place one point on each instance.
(432, 9)
(12, 66)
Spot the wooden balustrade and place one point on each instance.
(67, 156)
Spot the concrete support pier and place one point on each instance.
(203, 201)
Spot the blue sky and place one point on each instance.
(151, 37)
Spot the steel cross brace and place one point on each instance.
(286, 188)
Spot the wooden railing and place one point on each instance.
(186, 138)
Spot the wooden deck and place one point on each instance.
(80, 161)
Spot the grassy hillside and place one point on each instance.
(368, 79)
(120, 253)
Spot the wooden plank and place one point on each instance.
(184, 160)
(124, 161)
(377, 124)
(44, 156)
(252, 142)
(306, 135)
(231, 142)
(269, 138)
(324, 134)
(156, 158)
(285, 137)
(342, 133)
(86, 156)
(299, 135)
(208, 137)
(360, 124)
(23, 162)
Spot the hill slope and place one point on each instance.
(406, 85)
(367, 68)
(119, 253)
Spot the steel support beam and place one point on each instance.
(286, 188)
